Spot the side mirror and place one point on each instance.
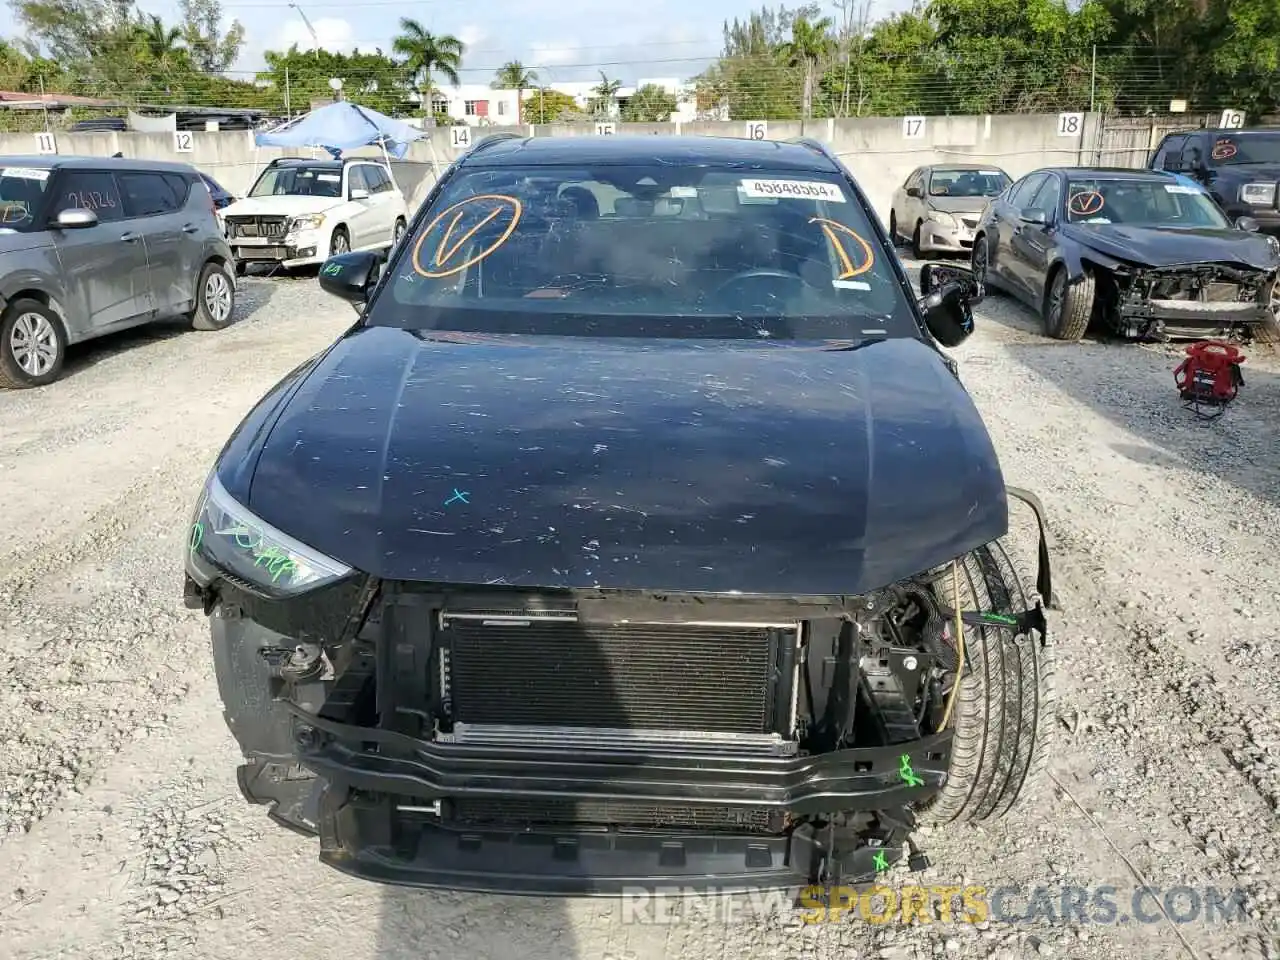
(77, 218)
(359, 193)
(1248, 224)
(949, 294)
(1036, 216)
(914, 192)
(351, 276)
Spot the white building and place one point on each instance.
(476, 104)
(479, 105)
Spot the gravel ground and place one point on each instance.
(122, 833)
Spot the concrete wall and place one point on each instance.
(875, 149)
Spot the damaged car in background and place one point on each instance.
(1144, 255)
(639, 532)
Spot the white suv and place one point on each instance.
(301, 212)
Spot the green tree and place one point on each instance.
(373, 79)
(512, 75)
(606, 96)
(211, 49)
(810, 45)
(552, 106)
(426, 54)
(649, 104)
(752, 76)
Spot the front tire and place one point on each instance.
(917, 250)
(893, 228)
(1004, 709)
(398, 233)
(340, 242)
(215, 298)
(33, 346)
(1068, 306)
(980, 263)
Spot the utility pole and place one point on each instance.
(310, 28)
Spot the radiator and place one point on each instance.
(552, 679)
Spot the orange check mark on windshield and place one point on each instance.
(443, 256)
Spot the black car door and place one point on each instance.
(1032, 244)
(1004, 219)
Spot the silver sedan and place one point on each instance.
(938, 206)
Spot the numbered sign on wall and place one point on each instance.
(1070, 124)
(913, 128)
(1232, 119)
(460, 138)
(757, 130)
(45, 143)
(184, 141)
(605, 129)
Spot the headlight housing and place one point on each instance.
(1258, 194)
(308, 221)
(225, 536)
(943, 219)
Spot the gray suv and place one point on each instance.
(90, 245)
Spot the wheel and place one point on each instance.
(241, 268)
(1003, 716)
(916, 250)
(1068, 307)
(1268, 331)
(340, 242)
(215, 298)
(981, 263)
(32, 345)
(893, 227)
(398, 234)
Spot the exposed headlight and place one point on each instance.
(226, 536)
(1258, 193)
(943, 219)
(309, 221)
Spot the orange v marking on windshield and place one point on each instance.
(443, 255)
(447, 252)
(848, 269)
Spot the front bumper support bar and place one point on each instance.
(863, 778)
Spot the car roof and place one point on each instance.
(65, 162)
(640, 149)
(322, 163)
(961, 166)
(1110, 173)
(1219, 131)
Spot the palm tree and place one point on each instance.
(810, 42)
(513, 76)
(426, 53)
(606, 90)
(161, 43)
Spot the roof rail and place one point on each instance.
(494, 138)
(817, 146)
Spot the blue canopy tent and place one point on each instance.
(343, 126)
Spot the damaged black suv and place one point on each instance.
(638, 532)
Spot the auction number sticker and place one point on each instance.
(793, 189)
(25, 173)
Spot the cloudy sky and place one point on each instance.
(563, 39)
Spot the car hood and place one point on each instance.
(1172, 246)
(279, 206)
(701, 466)
(959, 204)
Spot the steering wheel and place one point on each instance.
(760, 273)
